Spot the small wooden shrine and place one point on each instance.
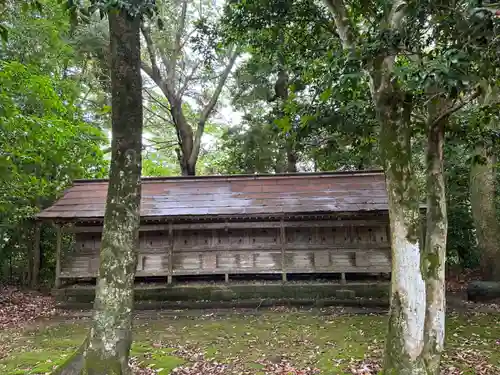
(244, 224)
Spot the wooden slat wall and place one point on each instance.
(307, 249)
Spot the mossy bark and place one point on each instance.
(405, 335)
(106, 349)
(434, 252)
(482, 192)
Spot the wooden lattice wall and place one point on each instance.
(277, 248)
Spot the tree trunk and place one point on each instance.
(106, 349)
(482, 191)
(291, 158)
(185, 137)
(434, 252)
(405, 335)
(187, 168)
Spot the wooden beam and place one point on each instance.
(241, 225)
(332, 269)
(171, 243)
(283, 249)
(290, 246)
(36, 256)
(57, 282)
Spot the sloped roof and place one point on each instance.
(239, 195)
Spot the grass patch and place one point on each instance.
(330, 343)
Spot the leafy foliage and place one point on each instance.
(46, 141)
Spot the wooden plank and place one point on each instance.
(283, 249)
(170, 253)
(314, 212)
(57, 282)
(362, 259)
(277, 246)
(339, 247)
(228, 247)
(340, 269)
(235, 192)
(332, 269)
(36, 256)
(322, 260)
(245, 225)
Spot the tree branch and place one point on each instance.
(188, 79)
(162, 145)
(153, 71)
(151, 52)
(397, 14)
(157, 101)
(342, 22)
(177, 45)
(167, 121)
(207, 110)
(455, 108)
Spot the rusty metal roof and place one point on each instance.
(239, 195)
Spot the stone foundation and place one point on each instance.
(214, 295)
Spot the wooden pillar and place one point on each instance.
(342, 278)
(283, 248)
(57, 282)
(170, 252)
(36, 256)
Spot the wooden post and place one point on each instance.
(36, 256)
(58, 256)
(170, 252)
(283, 248)
(226, 277)
(342, 278)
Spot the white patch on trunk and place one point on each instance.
(408, 282)
(439, 327)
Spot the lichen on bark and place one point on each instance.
(405, 336)
(482, 193)
(434, 251)
(106, 349)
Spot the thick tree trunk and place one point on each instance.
(482, 191)
(291, 159)
(106, 349)
(185, 136)
(187, 168)
(434, 252)
(405, 336)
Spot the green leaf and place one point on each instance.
(105, 109)
(325, 95)
(283, 123)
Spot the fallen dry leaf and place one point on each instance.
(21, 307)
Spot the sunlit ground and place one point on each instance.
(333, 344)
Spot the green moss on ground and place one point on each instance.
(330, 343)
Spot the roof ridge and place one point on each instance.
(249, 176)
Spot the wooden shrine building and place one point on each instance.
(249, 224)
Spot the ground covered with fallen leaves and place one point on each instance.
(279, 341)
